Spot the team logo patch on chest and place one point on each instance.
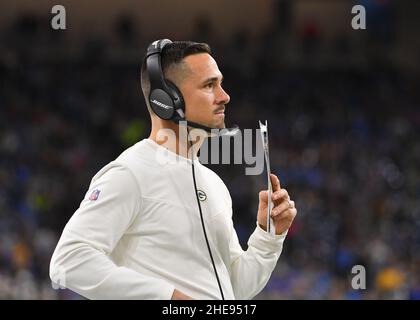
(94, 195)
(201, 195)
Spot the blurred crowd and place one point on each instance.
(344, 140)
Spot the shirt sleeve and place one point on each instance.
(251, 269)
(81, 259)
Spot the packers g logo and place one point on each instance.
(201, 195)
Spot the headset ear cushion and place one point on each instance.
(178, 99)
(162, 104)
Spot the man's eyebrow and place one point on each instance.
(213, 79)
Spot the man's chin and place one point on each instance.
(220, 125)
(215, 129)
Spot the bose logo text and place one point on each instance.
(160, 104)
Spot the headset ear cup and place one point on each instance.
(178, 99)
(162, 104)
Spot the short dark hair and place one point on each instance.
(172, 55)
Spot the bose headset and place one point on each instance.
(167, 103)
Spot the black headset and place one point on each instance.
(167, 102)
(165, 98)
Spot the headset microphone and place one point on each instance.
(212, 131)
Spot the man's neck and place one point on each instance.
(179, 139)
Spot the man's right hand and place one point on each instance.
(178, 295)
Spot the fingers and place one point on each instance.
(288, 214)
(285, 206)
(277, 197)
(275, 182)
(263, 195)
(280, 194)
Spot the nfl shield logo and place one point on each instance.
(95, 194)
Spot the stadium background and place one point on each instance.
(343, 108)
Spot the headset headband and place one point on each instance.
(154, 63)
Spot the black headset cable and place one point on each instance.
(201, 216)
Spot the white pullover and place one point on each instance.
(138, 235)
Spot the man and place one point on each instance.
(138, 233)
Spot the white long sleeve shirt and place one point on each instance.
(138, 235)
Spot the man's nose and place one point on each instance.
(223, 97)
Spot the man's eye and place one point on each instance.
(209, 85)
